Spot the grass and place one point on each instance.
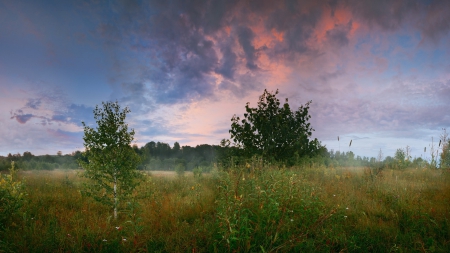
(244, 210)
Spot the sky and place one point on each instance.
(377, 72)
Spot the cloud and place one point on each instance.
(398, 110)
(437, 21)
(326, 77)
(227, 65)
(60, 118)
(50, 106)
(338, 36)
(33, 103)
(245, 36)
(385, 14)
(22, 118)
(430, 17)
(190, 52)
(190, 47)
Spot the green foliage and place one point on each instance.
(400, 155)
(180, 168)
(245, 209)
(111, 165)
(401, 158)
(274, 132)
(445, 156)
(159, 156)
(270, 211)
(12, 194)
(197, 171)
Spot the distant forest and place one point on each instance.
(161, 156)
(154, 156)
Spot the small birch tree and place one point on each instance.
(110, 162)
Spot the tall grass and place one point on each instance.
(244, 209)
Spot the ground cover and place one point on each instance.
(246, 209)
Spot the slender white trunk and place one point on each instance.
(115, 197)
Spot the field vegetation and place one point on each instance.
(251, 208)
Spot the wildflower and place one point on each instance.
(124, 239)
(292, 220)
(345, 216)
(346, 208)
(105, 240)
(119, 228)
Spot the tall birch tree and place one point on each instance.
(111, 162)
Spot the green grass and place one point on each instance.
(243, 210)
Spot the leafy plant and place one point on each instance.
(272, 211)
(12, 195)
(272, 131)
(111, 161)
(179, 169)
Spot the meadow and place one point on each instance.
(254, 208)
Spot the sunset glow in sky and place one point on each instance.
(377, 72)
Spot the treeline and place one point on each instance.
(28, 161)
(154, 156)
(337, 159)
(161, 156)
(348, 159)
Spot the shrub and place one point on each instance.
(179, 169)
(198, 171)
(11, 196)
(272, 211)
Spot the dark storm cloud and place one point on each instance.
(437, 20)
(333, 4)
(387, 14)
(338, 36)
(227, 66)
(245, 36)
(297, 21)
(174, 38)
(183, 46)
(431, 17)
